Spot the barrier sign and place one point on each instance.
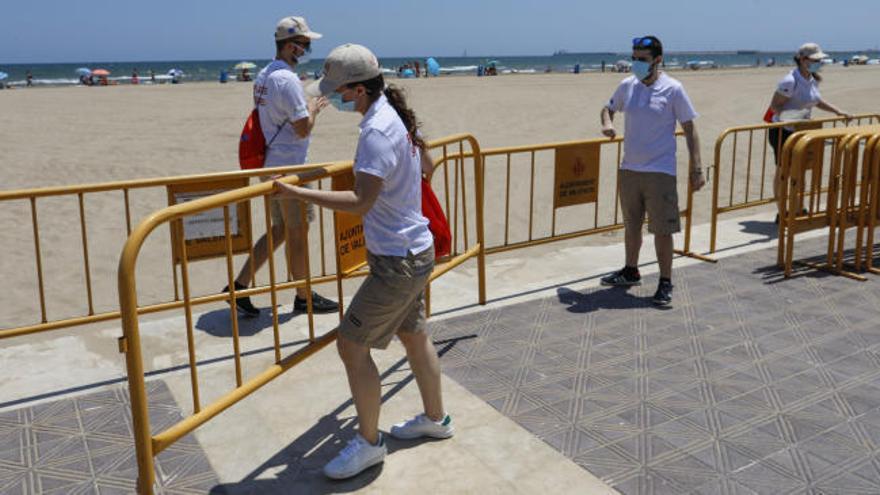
(351, 246)
(577, 175)
(204, 234)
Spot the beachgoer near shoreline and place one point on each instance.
(388, 167)
(795, 96)
(30, 78)
(279, 97)
(134, 77)
(152, 76)
(653, 102)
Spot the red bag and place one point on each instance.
(768, 115)
(437, 222)
(252, 145)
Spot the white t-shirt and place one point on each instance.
(651, 114)
(803, 94)
(394, 225)
(279, 96)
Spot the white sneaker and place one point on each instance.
(358, 455)
(423, 426)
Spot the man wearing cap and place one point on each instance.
(653, 103)
(287, 118)
(795, 96)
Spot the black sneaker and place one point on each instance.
(622, 278)
(244, 303)
(663, 296)
(320, 304)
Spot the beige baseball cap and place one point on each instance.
(294, 26)
(812, 51)
(345, 64)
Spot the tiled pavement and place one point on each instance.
(84, 445)
(749, 384)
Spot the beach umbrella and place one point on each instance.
(3, 75)
(83, 71)
(433, 67)
(175, 72)
(101, 72)
(245, 65)
(492, 63)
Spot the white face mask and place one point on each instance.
(335, 99)
(815, 67)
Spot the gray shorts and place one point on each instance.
(391, 299)
(652, 192)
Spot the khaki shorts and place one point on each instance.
(652, 192)
(289, 211)
(391, 299)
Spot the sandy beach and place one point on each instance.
(75, 135)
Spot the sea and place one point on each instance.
(210, 70)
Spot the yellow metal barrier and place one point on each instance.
(741, 187)
(155, 191)
(147, 445)
(605, 215)
(837, 198)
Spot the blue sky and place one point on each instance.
(43, 31)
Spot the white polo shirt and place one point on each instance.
(803, 94)
(279, 97)
(651, 114)
(394, 226)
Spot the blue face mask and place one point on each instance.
(335, 99)
(815, 67)
(642, 70)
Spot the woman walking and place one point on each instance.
(388, 166)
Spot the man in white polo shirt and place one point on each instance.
(287, 118)
(653, 103)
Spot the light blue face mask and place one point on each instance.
(335, 99)
(815, 67)
(642, 70)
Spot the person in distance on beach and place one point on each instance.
(653, 103)
(400, 251)
(279, 97)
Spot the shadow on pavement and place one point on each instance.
(298, 467)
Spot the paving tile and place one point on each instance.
(83, 445)
(751, 384)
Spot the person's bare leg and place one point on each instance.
(632, 241)
(425, 366)
(664, 248)
(297, 244)
(261, 254)
(364, 382)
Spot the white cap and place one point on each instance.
(294, 26)
(345, 64)
(811, 51)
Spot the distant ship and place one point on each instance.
(747, 52)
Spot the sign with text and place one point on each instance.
(204, 234)
(351, 246)
(577, 175)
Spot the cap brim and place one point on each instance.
(322, 87)
(313, 35)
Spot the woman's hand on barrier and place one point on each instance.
(284, 190)
(697, 179)
(609, 132)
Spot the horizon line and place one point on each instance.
(559, 52)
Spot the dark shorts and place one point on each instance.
(653, 193)
(391, 299)
(773, 136)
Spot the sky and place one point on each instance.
(56, 31)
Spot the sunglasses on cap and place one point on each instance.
(644, 42)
